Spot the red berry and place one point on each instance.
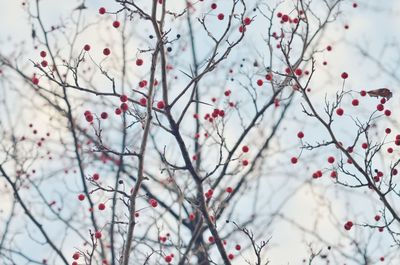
(168, 259)
(89, 118)
(339, 111)
(247, 21)
(317, 174)
(76, 255)
(139, 62)
(229, 190)
(231, 256)
(245, 149)
(388, 112)
(192, 216)
(116, 24)
(118, 111)
(220, 16)
(363, 93)
(153, 203)
(285, 18)
(97, 234)
(123, 98)
(238, 247)
(260, 82)
(355, 102)
(348, 225)
(298, 72)
(377, 218)
(124, 106)
(106, 51)
(300, 135)
(142, 84)
(102, 206)
(293, 160)
(102, 10)
(160, 104)
(380, 107)
(143, 101)
(43, 54)
(245, 162)
(104, 115)
(345, 75)
(81, 197)
(96, 176)
(329, 48)
(331, 160)
(35, 80)
(213, 6)
(86, 47)
(268, 77)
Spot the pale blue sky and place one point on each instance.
(371, 25)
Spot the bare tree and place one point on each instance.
(155, 132)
